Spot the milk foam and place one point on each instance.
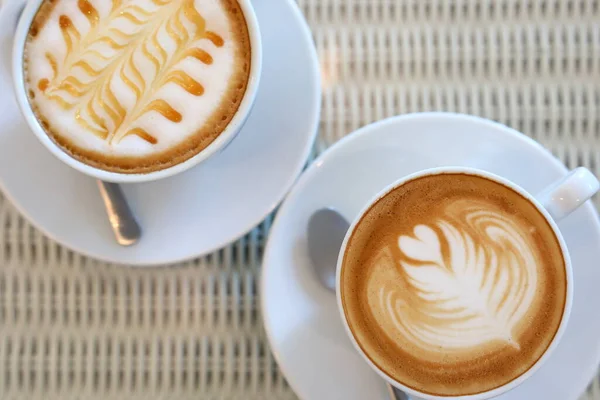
(463, 280)
(140, 27)
(453, 284)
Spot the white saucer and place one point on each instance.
(195, 212)
(301, 317)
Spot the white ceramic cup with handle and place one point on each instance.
(554, 203)
(222, 140)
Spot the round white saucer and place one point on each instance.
(301, 318)
(195, 212)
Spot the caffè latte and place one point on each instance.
(136, 86)
(453, 284)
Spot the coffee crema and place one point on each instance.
(453, 284)
(135, 86)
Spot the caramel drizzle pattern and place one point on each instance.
(112, 121)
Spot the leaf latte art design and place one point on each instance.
(111, 75)
(464, 280)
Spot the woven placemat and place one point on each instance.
(75, 328)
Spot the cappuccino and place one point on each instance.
(453, 284)
(136, 86)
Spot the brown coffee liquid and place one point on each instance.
(453, 284)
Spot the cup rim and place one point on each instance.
(224, 138)
(568, 273)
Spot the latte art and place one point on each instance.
(83, 80)
(453, 284)
(464, 281)
(134, 84)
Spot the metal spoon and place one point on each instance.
(326, 231)
(126, 229)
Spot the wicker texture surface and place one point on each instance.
(75, 328)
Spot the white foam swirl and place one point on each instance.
(462, 281)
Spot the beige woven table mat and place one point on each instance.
(75, 328)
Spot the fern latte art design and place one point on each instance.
(475, 292)
(453, 284)
(136, 86)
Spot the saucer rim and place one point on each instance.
(286, 207)
(7, 6)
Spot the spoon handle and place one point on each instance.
(126, 229)
(396, 394)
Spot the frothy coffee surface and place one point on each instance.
(453, 284)
(135, 86)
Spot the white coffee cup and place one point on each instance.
(215, 147)
(557, 201)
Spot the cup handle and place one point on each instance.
(565, 195)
